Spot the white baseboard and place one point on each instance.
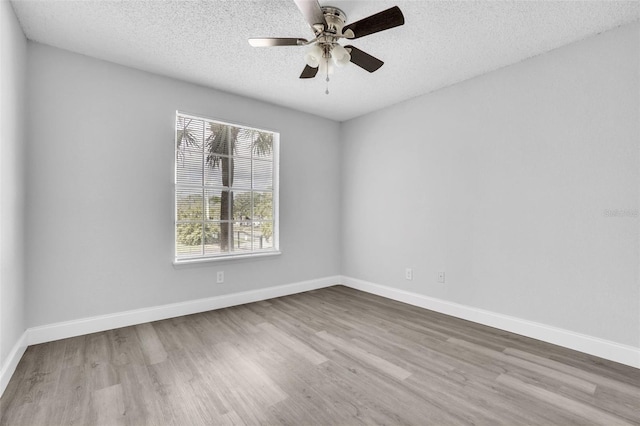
(63, 330)
(10, 364)
(606, 349)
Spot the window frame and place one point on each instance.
(231, 255)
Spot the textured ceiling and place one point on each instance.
(205, 42)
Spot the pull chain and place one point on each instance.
(327, 80)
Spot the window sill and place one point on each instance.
(187, 262)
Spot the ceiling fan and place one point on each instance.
(328, 26)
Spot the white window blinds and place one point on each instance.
(226, 195)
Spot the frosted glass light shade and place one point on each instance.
(326, 67)
(340, 55)
(313, 57)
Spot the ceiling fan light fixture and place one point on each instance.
(313, 57)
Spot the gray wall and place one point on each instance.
(13, 65)
(511, 183)
(100, 190)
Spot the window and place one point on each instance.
(226, 190)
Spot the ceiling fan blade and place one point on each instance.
(364, 60)
(311, 11)
(381, 21)
(309, 72)
(274, 41)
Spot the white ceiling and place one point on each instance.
(205, 42)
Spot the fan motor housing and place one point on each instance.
(335, 18)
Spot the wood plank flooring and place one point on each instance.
(330, 356)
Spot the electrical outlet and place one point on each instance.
(408, 274)
(441, 277)
(220, 277)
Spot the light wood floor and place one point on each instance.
(331, 356)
